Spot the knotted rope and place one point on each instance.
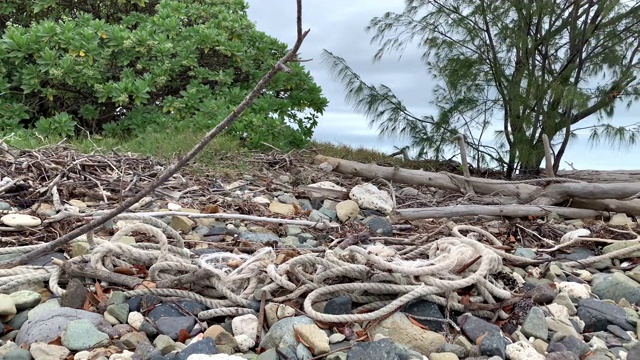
(380, 278)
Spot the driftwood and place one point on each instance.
(618, 196)
(418, 177)
(490, 210)
(604, 176)
(318, 192)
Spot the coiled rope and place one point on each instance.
(381, 281)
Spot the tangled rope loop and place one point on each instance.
(378, 277)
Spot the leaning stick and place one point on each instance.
(291, 56)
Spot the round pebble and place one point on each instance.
(17, 220)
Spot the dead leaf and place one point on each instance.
(142, 270)
(93, 299)
(417, 323)
(100, 293)
(183, 335)
(480, 338)
(56, 341)
(124, 270)
(297, 209)
(362, 335)
(87, 303)
(586, 355)
(466, 300)
(280, 259)
(363, 311)
(285, 256)
(323, 325)
(300, 340)
(6, 329)
(211, 209)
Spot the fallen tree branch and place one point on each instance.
(629, 207)
(497, 210)
(291, 56)
(419, 177)
(557, 193)
(592, 196)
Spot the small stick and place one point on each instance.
(465, 164)
(535, 234)
(57, 204)
(467, 265)
(331, 352)
(548, 161)
(104, 196)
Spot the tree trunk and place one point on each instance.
(558, 158)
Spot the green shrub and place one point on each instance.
(123, 68)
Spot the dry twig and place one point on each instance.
(291, 56)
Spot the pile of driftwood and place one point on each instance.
(568, 195)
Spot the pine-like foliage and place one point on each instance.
(527, 68)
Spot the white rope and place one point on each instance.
(380, 278)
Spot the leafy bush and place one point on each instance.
(123, 68)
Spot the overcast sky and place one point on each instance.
(338, 26)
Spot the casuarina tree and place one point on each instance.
(519, 69)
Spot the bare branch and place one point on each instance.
(291, 56)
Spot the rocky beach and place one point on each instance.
(295, 262)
